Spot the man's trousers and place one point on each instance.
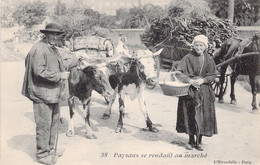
(46, 118)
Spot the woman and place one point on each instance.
(196, 112)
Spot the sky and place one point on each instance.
(102, 6)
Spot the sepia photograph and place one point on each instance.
(133, 82)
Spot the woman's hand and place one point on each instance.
(198, 82)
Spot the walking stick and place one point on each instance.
(57, 133)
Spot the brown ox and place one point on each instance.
(82, 81)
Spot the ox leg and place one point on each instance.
(70, 131)
(112, 98)
(221, 82)
(253, 82)
(233, 78)
(143, 107)
(89, 132)
(121, 100)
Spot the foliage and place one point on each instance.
(6, 15)
(72, 20)
(142, 17)
(246, 12)
(122, 15)
(108, 21)
(80, 19)
(136, 19)
(60, 9)
(92, 18)
(83, 19)
(30, 13)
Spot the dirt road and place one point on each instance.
(237, 142)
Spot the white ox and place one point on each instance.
(139, 73)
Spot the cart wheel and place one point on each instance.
(216, 88)
(225, 83)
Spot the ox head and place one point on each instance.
(97, 77)
(146, 65)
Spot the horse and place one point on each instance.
(249, 64)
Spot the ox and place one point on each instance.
(132, 82)
(82, 81)
(240, 65)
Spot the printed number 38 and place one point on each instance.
(103, 154)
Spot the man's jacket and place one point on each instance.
(42, 79)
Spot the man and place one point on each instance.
(44, 84)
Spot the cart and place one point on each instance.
(95, 47)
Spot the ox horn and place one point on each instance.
(154, 54)
(158, 52)
(103, 64)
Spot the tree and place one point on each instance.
(137, 18)
(142, 17)
(30, 13)
(122, 16)
(60, 8)
(189, 10)
(92, 18)
(6, 15)
(108, 21)
(72, 21)
(79, 19)
(246, 12)
(154, 12)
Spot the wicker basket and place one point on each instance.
(174, 88)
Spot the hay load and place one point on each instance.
(186, 19)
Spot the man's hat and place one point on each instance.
(52, 28)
